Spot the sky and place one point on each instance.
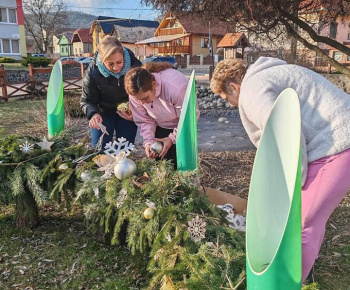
(114, 8)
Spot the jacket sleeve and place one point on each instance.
(90, 97)
(143, 120)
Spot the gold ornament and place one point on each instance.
(157, 147)
(63, 167)
(149, 213)
(124, 107)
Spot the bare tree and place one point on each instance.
(303, 20)
(42, 18)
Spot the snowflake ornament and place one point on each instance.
(26, 146)
(197, 228)
(114, 148)
(123, 194)
(235, 221)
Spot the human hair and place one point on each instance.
(230, 70)
(108, 46)
(156, 66)
(140, 79)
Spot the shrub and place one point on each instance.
(7, 60)
(70, 63)
(36, 61)
(72, 105)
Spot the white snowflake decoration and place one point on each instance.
(197, 228)
(114, 148)
(150, 204)
(26, 147)
(235, 221)
(122, 197)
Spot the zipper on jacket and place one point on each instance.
(118, 82)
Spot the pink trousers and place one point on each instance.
(327, 182)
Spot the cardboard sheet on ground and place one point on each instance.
(273, 228)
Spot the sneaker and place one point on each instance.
(310, 278)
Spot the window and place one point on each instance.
(204, 42)
(8, 15)
(12, 15)
(333, 30)
(6, 46)
(15, 46)
(348, 58)
(338, 55)
(9, 46)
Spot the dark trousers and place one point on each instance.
(121, 127)
(171, 154)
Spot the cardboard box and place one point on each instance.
(219, 197)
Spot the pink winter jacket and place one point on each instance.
(165, 109)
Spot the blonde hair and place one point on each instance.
(140, 79)
(108, 46)
(230, 70)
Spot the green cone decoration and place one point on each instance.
(186, 140)
(273, 228)
(55, 107)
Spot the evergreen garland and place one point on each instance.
(176, 260)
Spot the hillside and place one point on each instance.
(76, 19)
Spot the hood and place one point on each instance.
(261, 64)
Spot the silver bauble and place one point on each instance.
(124, 168)
(157, 147)
(85, 175)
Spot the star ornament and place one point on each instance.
(45, 144)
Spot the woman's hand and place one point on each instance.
(94, 120)
(149, 153)
(125, 115)
(167, 143)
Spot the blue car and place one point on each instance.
(169, 59)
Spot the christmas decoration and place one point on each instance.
(103, 160)
(45, 144)
(124, 168)
(103, 128)
(149, 213)
(114, 148)
(121, 197)
(63, 167)
(26, 146)
(85, 175)
(124, 107)
(197, 229)
(156, 147)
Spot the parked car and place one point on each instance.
(169, 59)
(79, 58)
(40, 55)
(63, 58)
(86, 60)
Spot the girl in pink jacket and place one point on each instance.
(156, 93)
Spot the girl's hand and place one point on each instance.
(149, 153)
(125, 115)
(167, 143)
(94, 120)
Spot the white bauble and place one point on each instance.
(124, 168)
(157, 147)
(85, 175)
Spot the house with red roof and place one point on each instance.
(234, 44)
(82, 42)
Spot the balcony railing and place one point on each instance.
(174, 49)
(170, 31)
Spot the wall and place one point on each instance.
(196, 45)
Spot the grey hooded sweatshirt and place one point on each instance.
(325, 109)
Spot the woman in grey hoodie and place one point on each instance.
(325, 114)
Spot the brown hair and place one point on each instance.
(230, 70)
(140, 78)
(108, 46)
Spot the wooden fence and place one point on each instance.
(20, 89)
